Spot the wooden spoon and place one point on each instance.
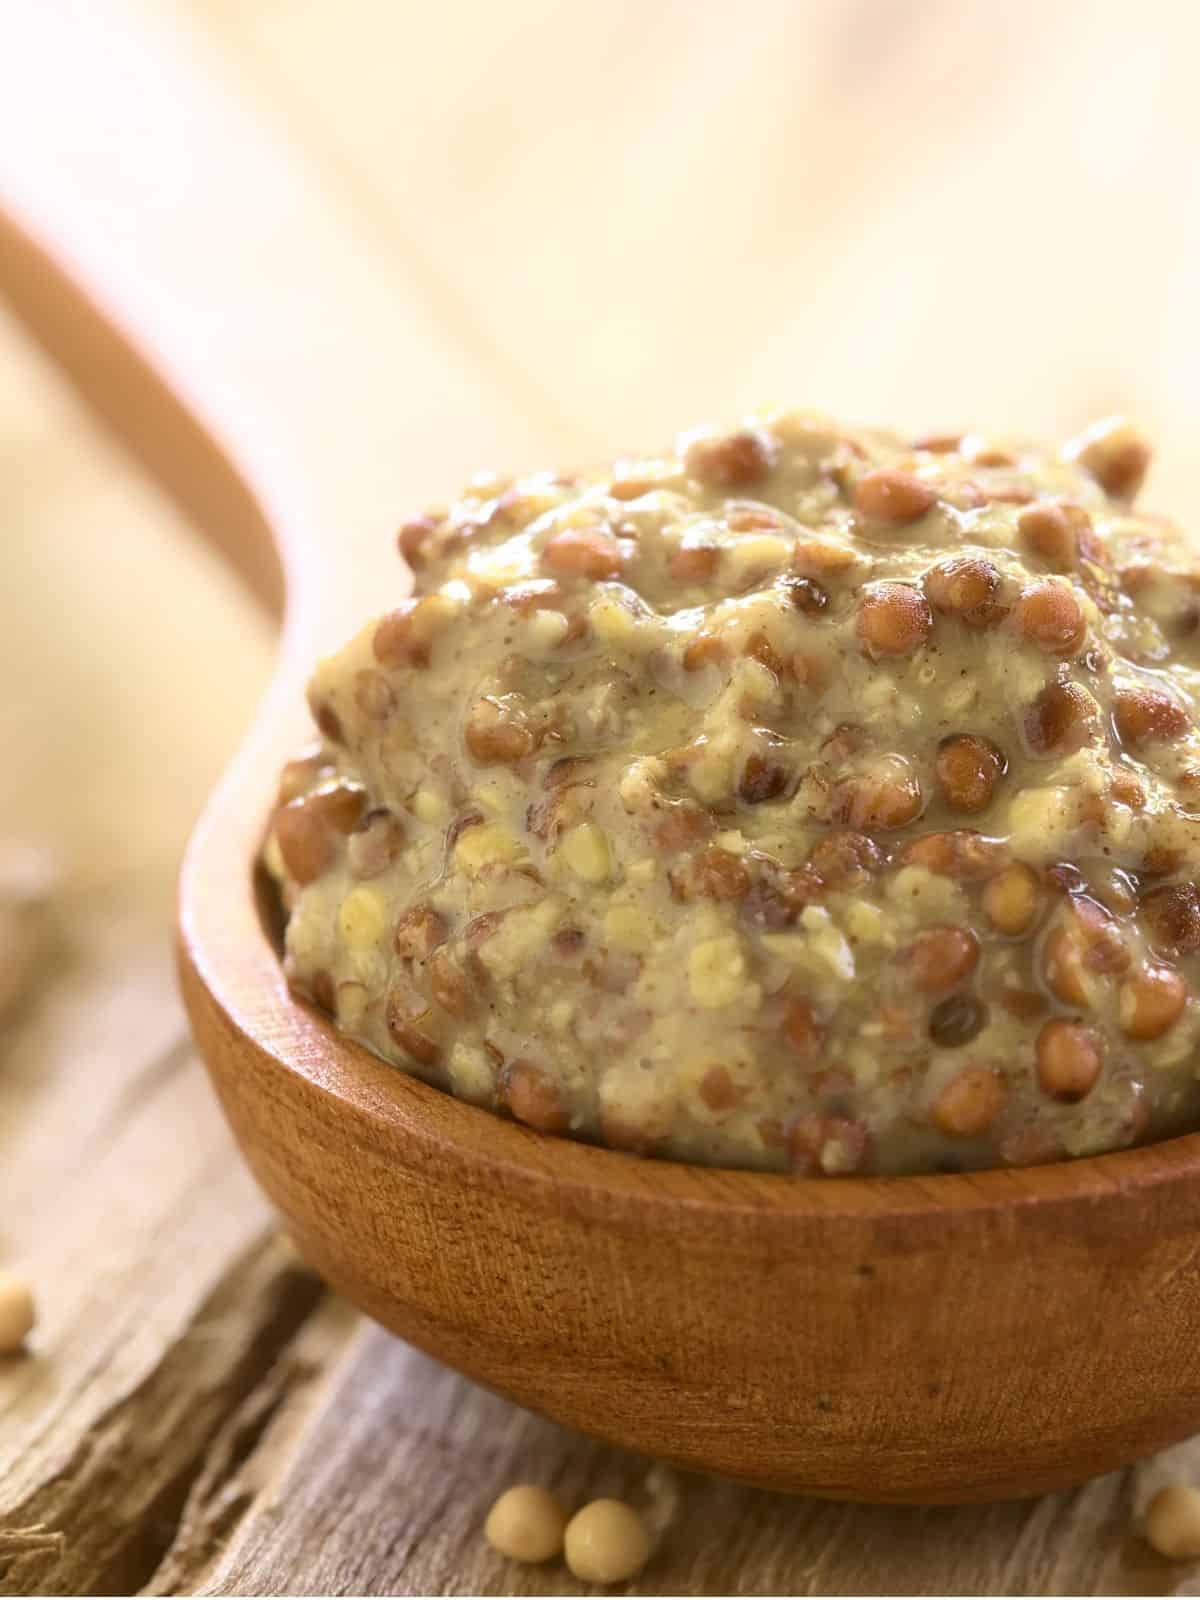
(916, 1339)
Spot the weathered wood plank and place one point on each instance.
(239, 1481)
(380, 1480)
(162, 1298)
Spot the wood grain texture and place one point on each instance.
(386, 1494)
(1045, 160)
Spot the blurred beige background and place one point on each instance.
(388, 243)
(913, 210)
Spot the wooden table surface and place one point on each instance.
(398, 241)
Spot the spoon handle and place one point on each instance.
(200, 282)
(125, 386)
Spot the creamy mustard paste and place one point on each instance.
(806, 798)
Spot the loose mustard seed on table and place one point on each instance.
(17, 1312)
(806, 797)
(607, 1542)
(1172, 1522)
(526, 1524)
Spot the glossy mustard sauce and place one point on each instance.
(807, 798)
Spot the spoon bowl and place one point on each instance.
(934, 1339)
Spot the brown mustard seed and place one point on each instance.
(1146, 715)
(969, 1104)
(751, 516)
(399, 640)
(759, 647)
(684, 824)
(1068, 1061)
(630, 488)
(718, 1091)
(893, 619)
(414, 538)
(1160, 860)
(959, 853)
(329, 724)
(339, 804)
(1062, 967)
(845, 860)
(409, 1037)
(418, 932)
(1127, 789)
(1089, 941)
(1101, 936)
(885, 794)
(763, 778)
(534, 594)
(1116, 453)
(729, 461)
(1063, 717)
(968, 589)
(777, 898)
(713, 874)
(968, 768)
(1012, 899)
(304, 841)
(890, 496)
(1049, 616)
(1024, 1004)
(803, 594)
(939, 959)
(1171, 918)
(956, 1021)
(802, 1030)
(980, 453)
(1029, 1145)
(705, 650)
(938, 444)
(694, 563)
(1152, 1002)
(533, 1097)
(1058, 532)
(303, 774)
(497, 731)
(823, 560)
(449, 984)
(582, 553)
